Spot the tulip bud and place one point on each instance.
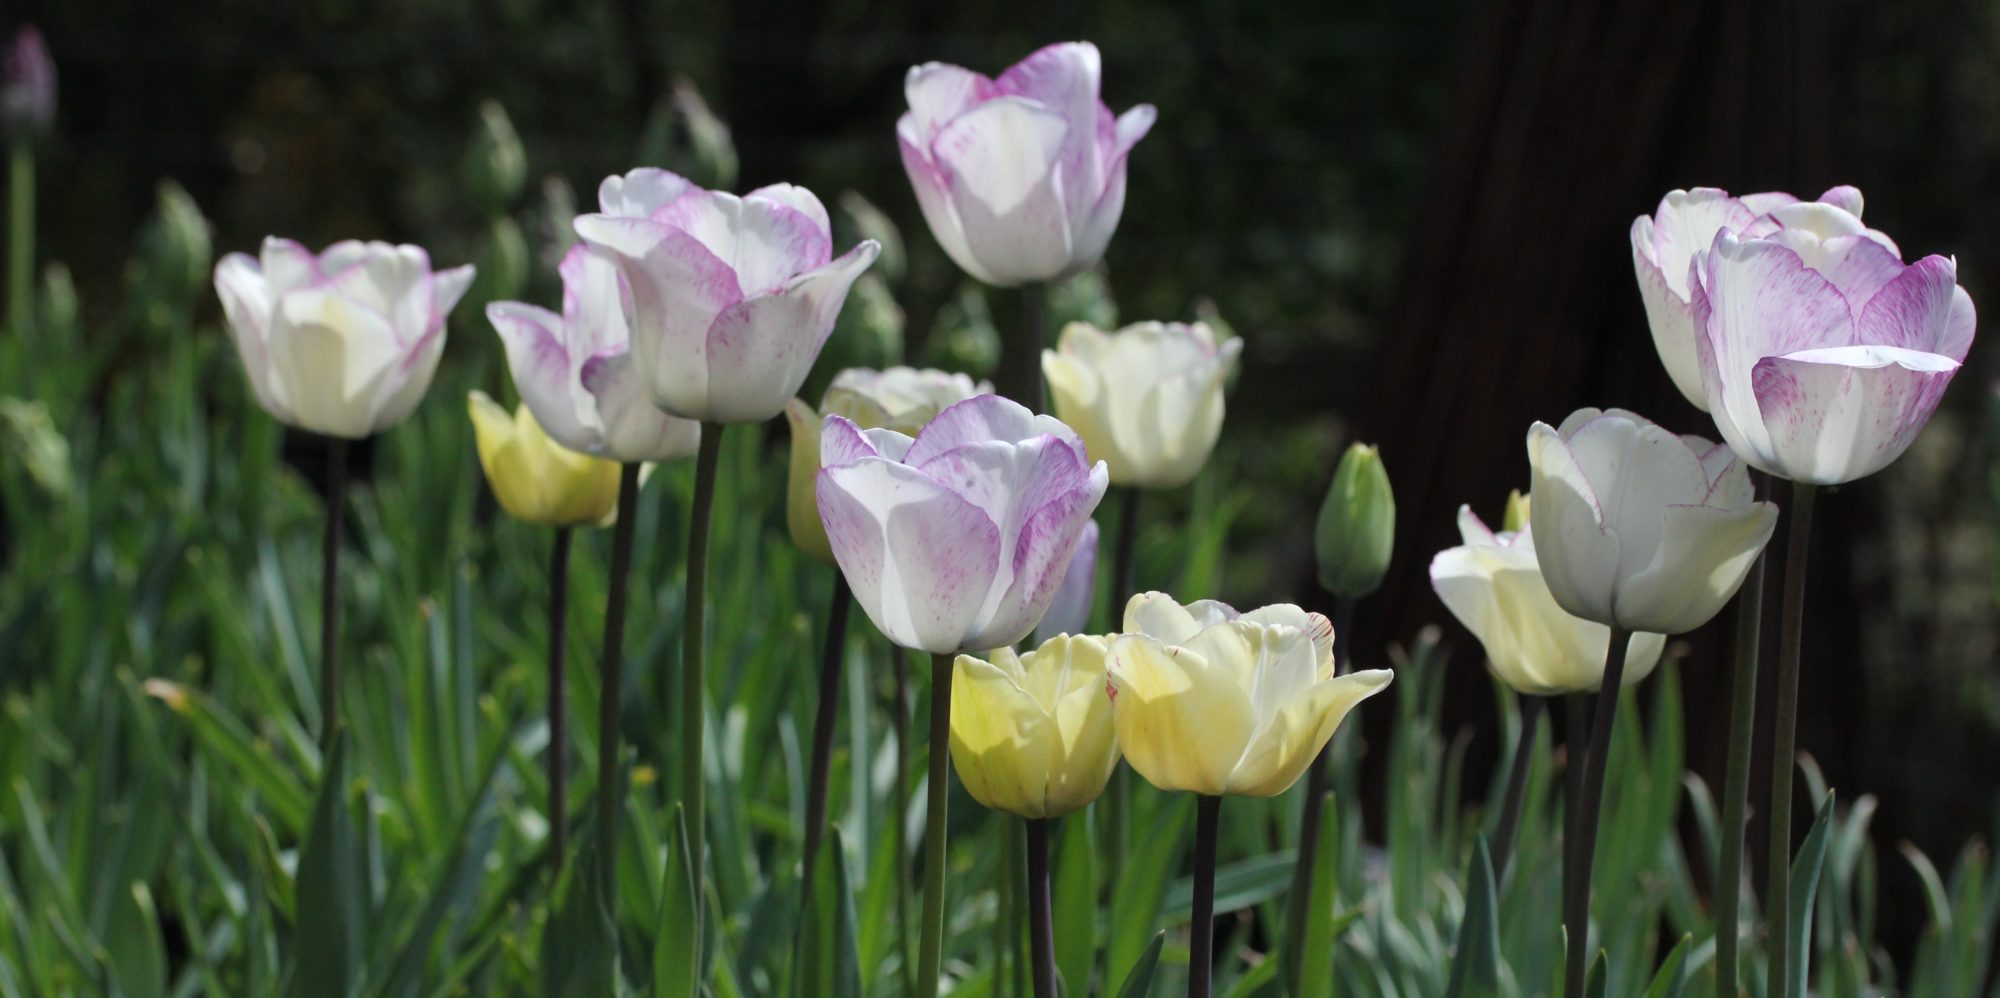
(503, 262)
(1357, 525)
(1031, 734)
(555, 221)
(687, 137)
(862, 220)
(1516, 519)
(964, 338)
(1084, 298)
(29, 439)
(496, 167)
(534, 478)
(175, 254)
(27, 86)
(59, 308)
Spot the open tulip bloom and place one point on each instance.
(1147, 399)
(1031, 733)
(1022, 178)
(535, 478)
(575, 370)
(731, 297)
(1822, 354)
(1685, 224)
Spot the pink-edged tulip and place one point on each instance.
(1684, 224)
(575, 370)
(957, 539)
(343, 343)
(1069, 612)
(731, 297)
(1823, 354)
(27, 85)
(1022, 178)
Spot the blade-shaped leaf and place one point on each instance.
(328, 925)
(675, 962)
(1806, 866)
(1475, 969)
(1672, 978)
(1316, 951)
(1076, 904)
(1140, 981)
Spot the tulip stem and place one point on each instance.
(558, 700)
(899, 721)
(329, 593)
(1201, 946)
(1575, 734)
(1041, 916)
(1728, 887)
(1021, 356)
(930, 949)
(1118, 793)
(1784, 741)
(1317, 778)
(694, 666)
(611, 685)
(1517, 784)
(829, 701)
(1576, 889)
(21, 247)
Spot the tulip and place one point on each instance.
(575, 372)
(731, 298)
(903, 399)
(1146, 399)
(1031, 734)
(345, 343)
(1069, 613)
(957, 540)
(1637, 528)
(1356, 531)
(1215, 702)
(1022, 178)
(27, 86)
(535, 478)
(1822, 354)
(1663, 243)
(1493, 585)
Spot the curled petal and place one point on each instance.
(1838, 414)
(1705, 555)
(1298, 731)
(1578, 553)
(760, 350)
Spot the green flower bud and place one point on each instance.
(496, 167)
(685, 136)
(174, 255)
(29, 438)
(1357, 525)
(503, 263)
(1084, 297)
(860, 219)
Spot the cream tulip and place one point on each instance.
(1214, 702)
(1494, 586)
(1031, 734)
(536, 479)
(1147, 399)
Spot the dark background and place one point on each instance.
(1415, 213)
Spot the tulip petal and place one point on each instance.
(1315, 626)
(288, 265)
(984, 418)
(246, 305)
(1913, 311)
(933, 192)
(1578, 554)
(1958, 330)
(1089, 747)
(1094, 235)
(1295, 735)
(447, 287)
(802, 201)
(918, 558)
(764, 240)
(842, 442)
(760, 350)
(1065, 78)
(1002, 741)
(331, 358)
(1705, 554)
(641, 192)
(678, 289)
(1635, 467)
(1182, 721)
(1157, 615)
(1838, 414)
(1667, 315)
(938, 92)
(1001, 161)
(634, 429)
(543, 372)
(399, 394)
(1043, 532)
(1181, 418)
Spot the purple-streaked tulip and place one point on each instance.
(731, 297)
(1069, 613)
(957, 539)
(1662, 244)
(1022, 178)
(1822, 354)
(1638, 528)
(343, 343)
(27, 85)
(575, 370)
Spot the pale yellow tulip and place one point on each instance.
(1031, 734)
(535, 478)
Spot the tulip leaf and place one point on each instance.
(1315, 972)
(830, 963)
(579, 954)
(137, 954)
(1252, 983)
(1140, 981)
(674, 957)
(1238, 885)
(1475, 969)
(328, 923)
(1672, 978)
(1076, 904)
(1599, 977)
(1142, 885)
(1806, 866)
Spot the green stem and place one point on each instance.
(21, 236)
(1041, 916)
(329, 592)
(1576, 733)
(1784, 740)
(1021, 356)
(1117, 827)
(829, 701)
(694, 665)
(930, 948)
(1576, 899)
(900, 723)
(1728, 887)
(611, 686)
(1201, 944)
(1517, 784)
(558, 701)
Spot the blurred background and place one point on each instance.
(1414, 212)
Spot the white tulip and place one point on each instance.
(1147, 399)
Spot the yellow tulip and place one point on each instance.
(1031, 734)
(535, 478)
(1214, 702)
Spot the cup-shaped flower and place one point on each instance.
(1031, 734)
(536, 478)
(575, 370)
(343, 343)
(1069, 613)
(1215, 702)
(957, 540)
(1493, 585)
(1147, 399)
(1684, 224)
(731, 297)
(1022, 178)
(27, 85)
(899, 398)
(1822, 354)
(1638, 528)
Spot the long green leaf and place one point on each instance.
(1316, 951)
(329, 924)
(1805, 885)
(1672, 978)
(1140, 981)
(675, 962)
(1476, 967)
